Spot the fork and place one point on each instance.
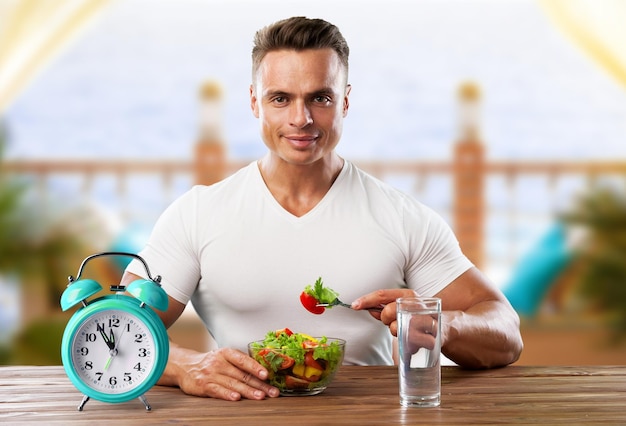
(338, 302)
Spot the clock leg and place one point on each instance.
(145, 402)
(83, 402)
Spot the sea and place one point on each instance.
(126, 88)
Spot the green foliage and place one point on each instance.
(39, 251)
(39, 343)
(602, 215)
(13, 226)
(33, 245)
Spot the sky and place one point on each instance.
(126, 88)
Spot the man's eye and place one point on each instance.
(322, 99)
(279, 100)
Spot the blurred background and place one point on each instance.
(507, 117)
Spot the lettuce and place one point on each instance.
(321, 293)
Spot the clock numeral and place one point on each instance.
(100, 327)
(113, 380)
(127, 377)
(88, 365)
(99, 374)
(114, 322)
(128, 327)
(143, 352)
(90, 337)
(138, 338)
(84, 351)
(137, 366)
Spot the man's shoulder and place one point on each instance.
(239, 177)
(373, 184)
(383, 196)
(219, 192)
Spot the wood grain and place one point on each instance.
(359, 395)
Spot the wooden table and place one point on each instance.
(359, 395)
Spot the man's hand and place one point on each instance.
(224, 373)
(386, 298)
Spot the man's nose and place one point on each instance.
(301, 115)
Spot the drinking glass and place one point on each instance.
(419, 343)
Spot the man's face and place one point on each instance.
(300, 99)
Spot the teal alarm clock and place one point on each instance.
(114, 347)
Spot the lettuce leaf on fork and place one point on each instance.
(321, 293)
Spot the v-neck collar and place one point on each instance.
(325, 199)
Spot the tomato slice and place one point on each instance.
(283, 330)
(275, 360)
(309, 361)
(310, 304)
(287, 362)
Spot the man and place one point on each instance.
(243, 250)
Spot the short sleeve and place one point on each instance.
(170, 250)
(435, 257)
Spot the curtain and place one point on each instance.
(598, 27)
(32, 32)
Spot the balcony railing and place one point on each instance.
(433, 182)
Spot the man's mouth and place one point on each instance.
(301, 141)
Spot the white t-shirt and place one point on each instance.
(243, 260)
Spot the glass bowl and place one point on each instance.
(301, 371)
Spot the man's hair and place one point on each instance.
(298, 33)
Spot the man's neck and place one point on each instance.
(299, 188)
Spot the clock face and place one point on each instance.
(113, 351)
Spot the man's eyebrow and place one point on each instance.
(323, 91)
(272, 93)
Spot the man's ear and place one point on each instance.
(346, 100)
(254, 105)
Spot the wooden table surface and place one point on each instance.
(359, 395)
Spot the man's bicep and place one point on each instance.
(469, 289)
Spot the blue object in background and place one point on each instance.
(537, 271)
(131, 240)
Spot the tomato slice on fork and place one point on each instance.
(310, 303)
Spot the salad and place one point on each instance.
(313, 295)
(297, 362)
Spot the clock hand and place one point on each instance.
(107, 339)
(108, 363)
(112, 354)
(112, 344)
(118, 340)
(113, 347)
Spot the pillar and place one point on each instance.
(469, 176)
(210, 149)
